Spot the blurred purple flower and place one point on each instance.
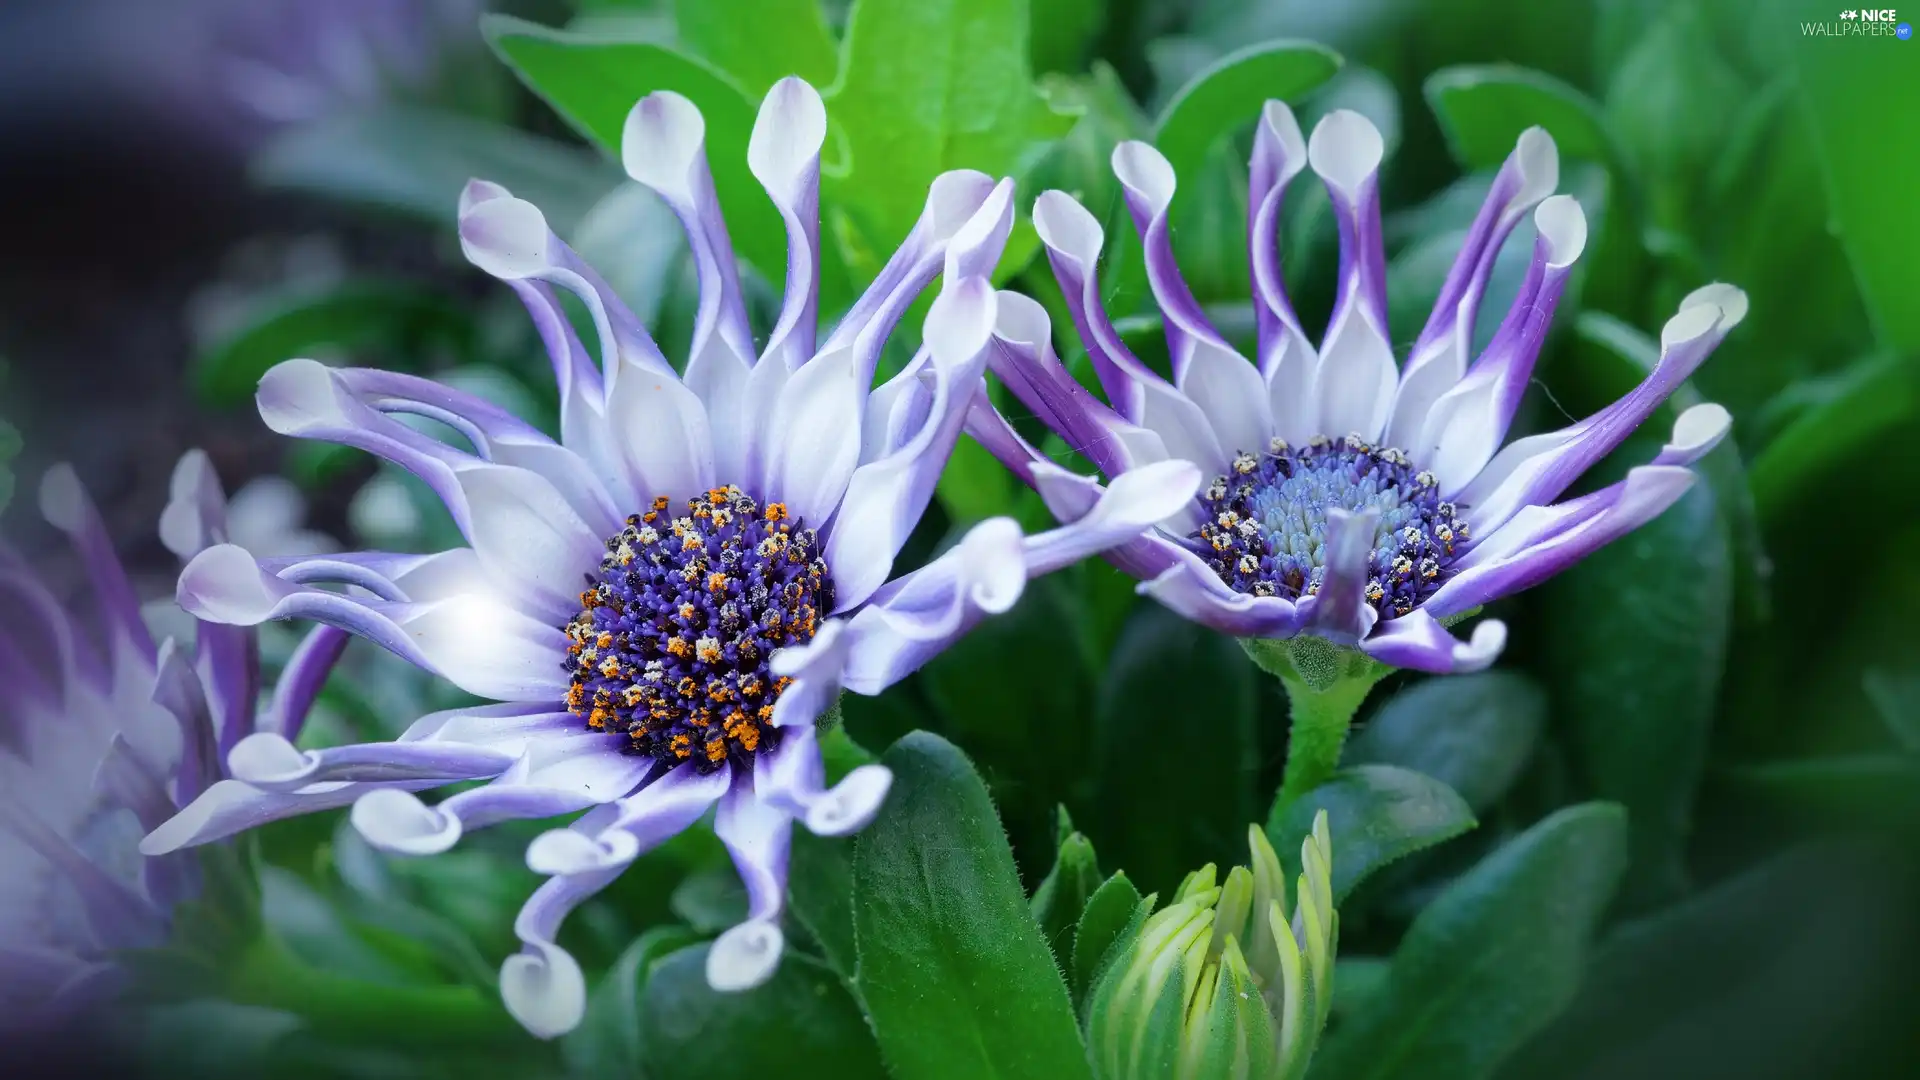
(735, 529)
(107, 735)
(1354, 499)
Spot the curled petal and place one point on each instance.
(759, 836)
(1355, 385)
(1537, 469)
(1131, 505)
(231, 807)
(67, 507)
(271, 763)
(1339, 610)
(1418, 641)
(792, 779)
(1439, 357)
(784, 155)
(1467, 424)
(195, 517)
(1287, 358)
(745, 956)
(913, 617)
(1189, 588)
(816, 669)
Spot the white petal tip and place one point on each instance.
(298, 395)
(1281, 128)
(1730, 299)
(223, 584)
(975, 249)
(1021, 320)
(852, 803)
(569, 851)
(952, 200)
(744, 957)
(1145, 172)
(265, 759)
(481, 191)
(1488, 641)
(787, 135)
(665, 136)
(1153, 493)
(961, 321)
(994, 565)
(397, 821)
(545, 992)
(1345, 149)
(63, 501)
(1694, 321)
(1563, 228)
(1700, 429)
(506, 237)
(1067, 228)
(1538, 159)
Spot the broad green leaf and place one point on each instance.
(953, 970)
(1633, 641)
(759, 42)
(799, 1024)
(1473, 733)
(1875, 398)
(1669, 107)
(820, 891)
(927, 86)
(608, 1040)
(1063, 31)
(1764, 977)
(1484, 108)
(1897, 696)
(1850, 87)
(1230, 94)
(1113, 908)
(1028, 727)
(1062, 895)
(404, 322)
(1376, 814)
(1490, 961)
(1176, 754)
(593, 82)
(417, 160)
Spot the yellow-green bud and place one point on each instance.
(1221, 984)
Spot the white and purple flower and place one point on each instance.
(734, 528)
(104, 734)
(1354, 499)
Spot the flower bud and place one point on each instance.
(1222, 983)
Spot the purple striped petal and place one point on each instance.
(1339, 611)
(1439, 356)
(177, 690)
(1149, 182)
(1355, 385)
(793, 779)
(300, 680)
(230, 807)
(816, 669)
(1468, 423)
(1537, 469)
(67, 507)
(271, 763)
(759, 837)
(1189, 588)
(118, 916)
(1287, 358)
(784, 154)
(1417, 641)
(1073, 239)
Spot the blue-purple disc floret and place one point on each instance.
(1266, 526)
(676, 628)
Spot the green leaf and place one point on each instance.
(1473, 733)
(1176, 755)
(759, 42)
(954, 972)
(1670, 105)
(1716, 987)
(820, 891)
(1897, 697)
(1874, 399)
(927, 86)
(1063, 31)
(417, 160)
(1866, 789)
(710, 900)
(608, 1041)
(1633, 642)
(1483, 108)
(404, 321)
(1230, 94)
(1490, 961)
(1376, 814)
(1848, 87)
(593, 82)
(1062, 895)
(798, 1024)
(1110, 910)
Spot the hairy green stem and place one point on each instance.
(1320, 718)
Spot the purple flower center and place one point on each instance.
(1266, 527)
(676, 628)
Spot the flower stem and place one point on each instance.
(1326, 683)
(1319, 731)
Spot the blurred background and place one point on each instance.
(194, 190)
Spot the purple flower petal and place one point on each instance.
(1417, 641)
(784, 154)
(1356, 381)
(67, 507)
(1339, 611)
